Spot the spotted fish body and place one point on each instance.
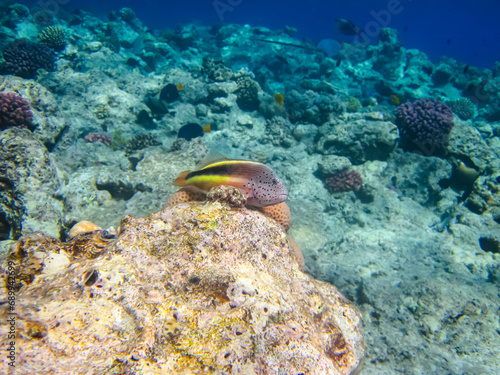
(261, 184)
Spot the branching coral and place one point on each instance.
(23, 58)
(141, 141)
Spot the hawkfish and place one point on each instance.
(257, 181)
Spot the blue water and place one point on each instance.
(465, 30)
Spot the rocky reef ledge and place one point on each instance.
(199, 287)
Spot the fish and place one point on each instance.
(466, 69)
(180, 87)
(347, 27)
(193, 130)
(169, 93)
(287, 44)
(279, 99)
(260, 184)
(395, 99)
(330, 46)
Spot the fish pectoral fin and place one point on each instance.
(247, 192)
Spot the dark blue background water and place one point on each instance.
(466, 30)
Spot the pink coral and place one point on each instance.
(99, 137)
(14, 111)
(344, 181)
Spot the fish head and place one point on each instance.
(267, 189)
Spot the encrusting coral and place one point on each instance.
(195, 288)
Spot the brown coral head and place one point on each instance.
(14, 111)
(230, 195)
(344, 181)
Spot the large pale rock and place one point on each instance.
(196, 288)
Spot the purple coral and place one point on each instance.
(344, 181)
(424, 125)
(99, 137)
(23, 58)
(14, 111)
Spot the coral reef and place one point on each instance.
(14, 111)
(248, 94)
(414, 247)
(313, 107)
(124, 300)
(234, 197)
(353, 104)
(360, 138)
(216, 70)
(48, 121)
(31, 179)
(141, 141)
(23, 58)
(442, 75)
(53, 37)
(463, 107)
(99, 137)
(344, 181)
(279, 132)
(424, 125)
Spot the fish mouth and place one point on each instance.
(283, 197)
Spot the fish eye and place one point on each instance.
(275, 181)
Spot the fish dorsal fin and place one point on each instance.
(212, 157)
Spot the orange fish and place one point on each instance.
(279, 98)
(395, 99)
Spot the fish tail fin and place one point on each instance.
(181, 180)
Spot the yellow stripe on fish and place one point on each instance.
(261, 184)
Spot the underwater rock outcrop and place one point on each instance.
(28, 180)
(194, 288)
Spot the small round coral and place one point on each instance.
(53, 37)
(424, 125)
(14, 111)
(344, 181)
(463, 107)
(247, 94)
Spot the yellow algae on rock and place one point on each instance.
(196, 288)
